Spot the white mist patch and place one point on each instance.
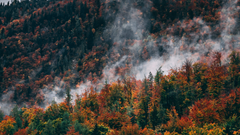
(148, 66)
(128, 24)
(175, 61)
(5, 104)
(6, 107)
(109, 70)
(57, 95)
(80, 90)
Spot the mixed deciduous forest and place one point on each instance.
(51, 43)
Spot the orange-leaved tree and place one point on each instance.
(7, 125)
(205, 111)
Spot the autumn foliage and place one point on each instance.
(159, 104)
(46, 44)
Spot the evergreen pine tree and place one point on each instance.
(68, 97)
(1, 115)
(18, 123)
(16, 113)
(48, 130)
(80, 128)
(154, 117)
(65, 123)
(96, 130)
(158, 76)
(143, 114)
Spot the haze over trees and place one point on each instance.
(47, 43)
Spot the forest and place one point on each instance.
(64, 43)
(198, 98)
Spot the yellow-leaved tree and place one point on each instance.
(6, 126)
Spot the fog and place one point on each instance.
(5, 1)
(133, 23)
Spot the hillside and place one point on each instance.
(103, 50)
(196, 99)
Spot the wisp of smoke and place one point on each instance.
(136, 48)
(130, 23)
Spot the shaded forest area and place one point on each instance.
(40, 40)
(44, 42)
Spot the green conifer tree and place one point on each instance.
(81, 129)
(96, 130)
(1, 115)
(65, 123)
(48, 130)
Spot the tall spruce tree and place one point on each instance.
(65, 123)
(68, 97)
(48, 130)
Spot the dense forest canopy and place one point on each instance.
(119, 67)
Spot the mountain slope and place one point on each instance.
(45, 43)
